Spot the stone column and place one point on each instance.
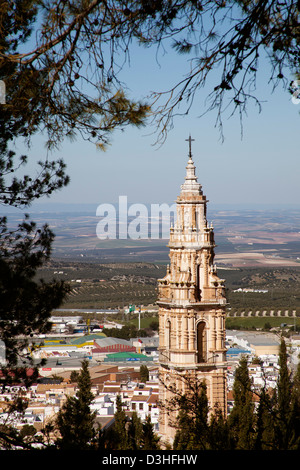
(179, 333)
(213, 332)
(220, 330)
(191, 325)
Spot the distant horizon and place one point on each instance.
(91, 207)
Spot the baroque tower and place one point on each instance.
(191, 300)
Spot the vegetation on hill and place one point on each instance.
(95, 285)
(273, 425)
(275, 296)
(118, 285)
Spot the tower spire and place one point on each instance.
(191, 183)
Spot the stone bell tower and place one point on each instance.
(192, 304)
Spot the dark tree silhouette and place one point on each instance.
(75, 420)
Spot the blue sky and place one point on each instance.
(260, 168)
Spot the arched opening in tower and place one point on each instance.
(201, 342)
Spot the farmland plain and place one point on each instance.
(255, 248)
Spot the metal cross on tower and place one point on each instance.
(190, 140)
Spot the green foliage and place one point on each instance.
(134, 430)
(190, 403)
(26, 303)
(192, 420)
(218, 431)
(295, 410)
(225, 39)
(195, 429)
(284, 435)
(121, 437)
(149, 439)
(284, 383)
(41, 46)
(75, 421)
(63, 76)
(241, 418)
(43, 72)
(9, 437)
(259, 322)
(273, 425)
(126, 332)
(264, 436)
(128, 433)
(27, 432)
(144, 373)
(74, 376)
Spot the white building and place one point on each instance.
(104, 405)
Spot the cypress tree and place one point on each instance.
(241, 418)
(75, 421)
(264, 436)
(283, 400)
(144, 373)
(120, 431)
(287, 406)
(295, 405)
(150, 441)
(192, 420)
(134, 432)
(219, 437)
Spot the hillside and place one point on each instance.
(96, 285)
